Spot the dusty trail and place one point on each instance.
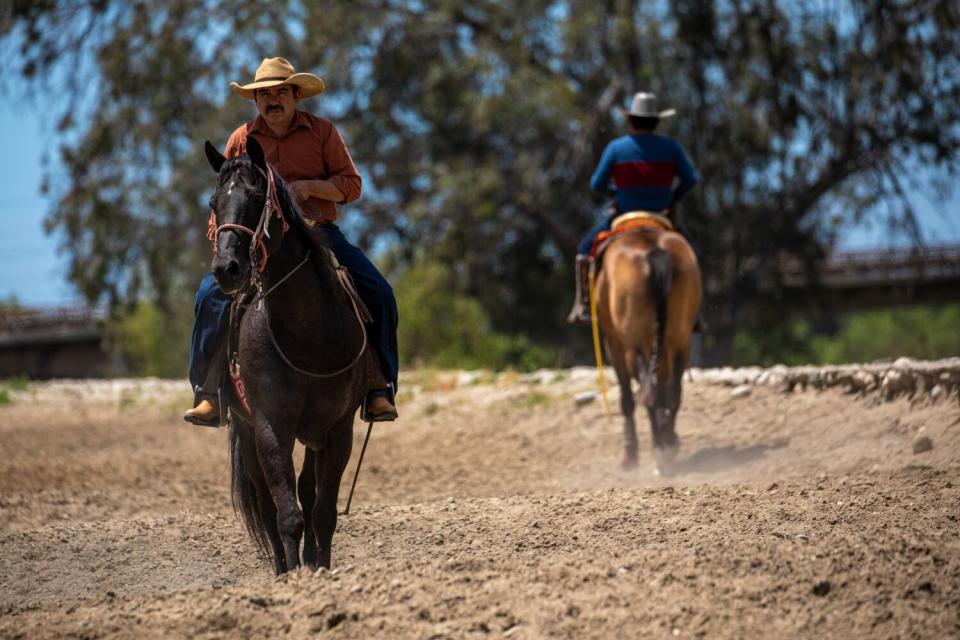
(496, 509)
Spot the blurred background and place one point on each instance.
(826, 134)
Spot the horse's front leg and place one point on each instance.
(330, 464)
(274, 450)
(307, 492)
(258, 507)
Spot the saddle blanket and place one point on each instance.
(629, 222)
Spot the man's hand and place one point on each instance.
(301, 190)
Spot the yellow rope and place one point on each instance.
(601, 376)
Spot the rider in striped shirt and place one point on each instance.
(641, 171)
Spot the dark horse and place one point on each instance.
(648, 297)
(302, 366)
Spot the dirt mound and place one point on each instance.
(494, 507)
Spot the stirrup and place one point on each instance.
(389, 395)
(201, 421)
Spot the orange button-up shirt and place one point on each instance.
(311, 149)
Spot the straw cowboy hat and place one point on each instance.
(273, 72)
(644, 105)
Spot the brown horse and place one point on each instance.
(648, 296)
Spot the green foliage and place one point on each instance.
(929, 332)
(442, 327)
(16, 383)
(477, 124)
(151, 342)
(535, 398)
(10, 303)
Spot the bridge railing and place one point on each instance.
(23, 319)
(878, 268)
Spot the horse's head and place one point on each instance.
(245, 231)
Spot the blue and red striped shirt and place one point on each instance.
(644, 172)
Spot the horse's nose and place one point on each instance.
(227, 271)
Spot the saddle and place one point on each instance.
(626, 224)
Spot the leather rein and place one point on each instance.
(271, 207)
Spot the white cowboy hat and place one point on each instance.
(644, 105)
(273, 72)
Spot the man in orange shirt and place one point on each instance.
(309, 154)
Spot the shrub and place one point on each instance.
(442, 327)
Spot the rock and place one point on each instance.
(864, 380)
(741, 391)
(336, 618)
(936, 392)
(822, 588)
(842, 379)
(585, 397)
(895, 382)
(922, 444)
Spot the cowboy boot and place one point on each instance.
(580, 314)
(206, 412)
(379, 406)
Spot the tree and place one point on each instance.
(477, 123)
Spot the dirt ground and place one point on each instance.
(494, 508)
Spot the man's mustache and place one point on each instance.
(274, 107)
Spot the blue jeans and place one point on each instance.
(587, 241)
(211, 313)
(212, 310)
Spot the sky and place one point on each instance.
(33, 271)
(31, 268)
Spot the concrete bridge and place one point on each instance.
(872, 279)
(53, 343)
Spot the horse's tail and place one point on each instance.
(661, 276)
(244, 496)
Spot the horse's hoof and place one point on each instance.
(629, 463)
(662, 470)
(663, 458)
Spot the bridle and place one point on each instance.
(271, 207)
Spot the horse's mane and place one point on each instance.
(291, 210)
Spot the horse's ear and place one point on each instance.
(255, 151)
(214, 157)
